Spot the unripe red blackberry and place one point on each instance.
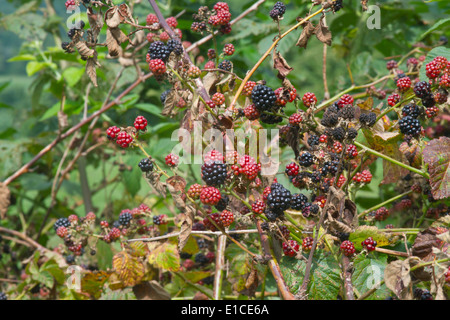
(124, 139)
(151, 19)
(290, 248)
(112, 132)
(172, 160)
(309, 99)
(194, 191)
(226, 218)
(172, 22)
(251, 112)
(403, 84)
(210, 196)
(210, 65)
(212, 220)
(344, 100)
(307, 243)
(140, 123)
(391, 64)
(228, 49)
(351, 151)
(218, 98)
(348, 248)
(393, 99)
(292, 169)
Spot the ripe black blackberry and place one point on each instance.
(158, 50)
(347, 112)
(214, 173)
(164, 96)
(412, 110)
(368, 119)
(201, 258)
(145, 165)
(409, 125)
(223, 203)
(225, 65)
(352, 133)
(306, 159)
(271, 215)
(428, 101)
(279, 200)
(270, 118)
(175, 46)
(263, 97)
(422, 89)
(125, 219)
(337, 5)
(338, 133)
(329, 119)
(298, 201)
(313, 140)
(61, 222)
(278, 10)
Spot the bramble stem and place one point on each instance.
(385, 157)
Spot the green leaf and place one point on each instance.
(325, 279)
(436, 26)
(368, 273)
(72, 75)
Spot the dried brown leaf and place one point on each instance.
(308, 31)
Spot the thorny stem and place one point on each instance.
(382, 204)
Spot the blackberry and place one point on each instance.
(352, 133)
(337, 5)
(175, 46)
(146, 165)
(225, 65)
(428, 101)
(158, 50)
(201, 258)
(214, 173)
(422, 89)
(164, 96)
(313, 140)
(347, 112)
(329, 119)
(298, 201)
(278, 10)
(125, 219)
(306, 159)
(263, 97)
(270, 118)
(279, 200)
(61, 222)
(409, 125)
(271, 215)
(71, 33)
(412, 110)
(223, 203)
(368, 119)
(338, 133)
